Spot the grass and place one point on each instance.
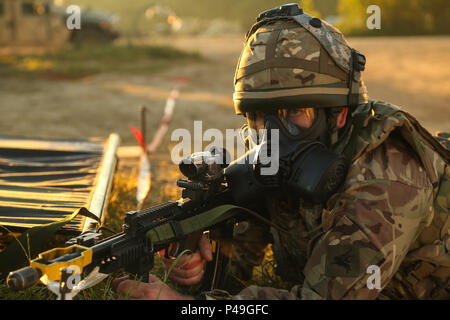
(73, 61)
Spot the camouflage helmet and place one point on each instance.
(291, 59)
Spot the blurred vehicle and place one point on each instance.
(43, 23)
(96, 26)
(26, 22)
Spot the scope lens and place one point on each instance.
(188, 169)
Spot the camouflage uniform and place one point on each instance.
(392, 210)
(385, 215)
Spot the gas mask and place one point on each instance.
(306, 168)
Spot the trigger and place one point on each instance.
(172, 250)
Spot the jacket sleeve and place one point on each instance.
(386, 204)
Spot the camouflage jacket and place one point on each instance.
(385, 235)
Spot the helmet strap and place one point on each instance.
(358, 62)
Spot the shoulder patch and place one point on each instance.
(342, 261)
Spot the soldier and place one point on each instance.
(384, 234)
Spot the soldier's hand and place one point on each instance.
(190, 268)
(155, 288)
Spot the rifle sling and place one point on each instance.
(171, 231)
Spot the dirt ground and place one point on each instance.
(412, 72)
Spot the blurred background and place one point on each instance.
(89, 82)
(56, 82)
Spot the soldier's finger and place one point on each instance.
(131, 289)
(117, 281)
(187, 273)
(185, 262)
(190, 281)
(153, 279)
(205, 248)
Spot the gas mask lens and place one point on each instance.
(285, 117)
(295, 120)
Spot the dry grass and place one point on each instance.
(73, 62)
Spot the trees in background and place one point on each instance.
(242, 11)
(398, 17)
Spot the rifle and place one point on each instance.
(172, 226)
